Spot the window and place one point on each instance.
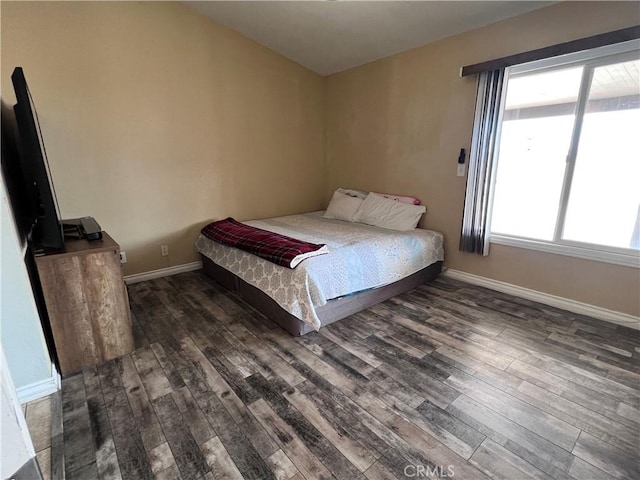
(567, 162)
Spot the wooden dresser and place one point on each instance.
(87, 303)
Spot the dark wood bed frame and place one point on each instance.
(332, 311)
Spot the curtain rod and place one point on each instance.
(617, 36)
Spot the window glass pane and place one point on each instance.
(536, 133)
(604, 202)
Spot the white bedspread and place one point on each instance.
(360, 257)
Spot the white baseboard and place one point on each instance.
(40, 389)
(548, 299)
(162, 272)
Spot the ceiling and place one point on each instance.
(331, 36)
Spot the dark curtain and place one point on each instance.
(486, 124)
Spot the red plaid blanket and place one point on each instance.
(276, 248)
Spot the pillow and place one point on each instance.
(401, 198)
(386, 213)
(353, 193)
(342, 207)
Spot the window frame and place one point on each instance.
(589, 59)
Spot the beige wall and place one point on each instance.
(156, 120)
(397, 125)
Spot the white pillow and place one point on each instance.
(353, 193)
(342, 207)
(386, 213)
(401, 198)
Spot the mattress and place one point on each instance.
(360, 257)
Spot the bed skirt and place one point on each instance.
(332, 311)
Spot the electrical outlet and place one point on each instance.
(460, 171)
(123, 257)
(164, 250)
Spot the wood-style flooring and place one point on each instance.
(448, 380)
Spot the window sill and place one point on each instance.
(627, 260)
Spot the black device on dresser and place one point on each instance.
(82, 228)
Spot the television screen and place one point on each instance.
(14, 179)
(46, 231)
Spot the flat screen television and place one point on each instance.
(39, 215)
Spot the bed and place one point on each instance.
(365, 265)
